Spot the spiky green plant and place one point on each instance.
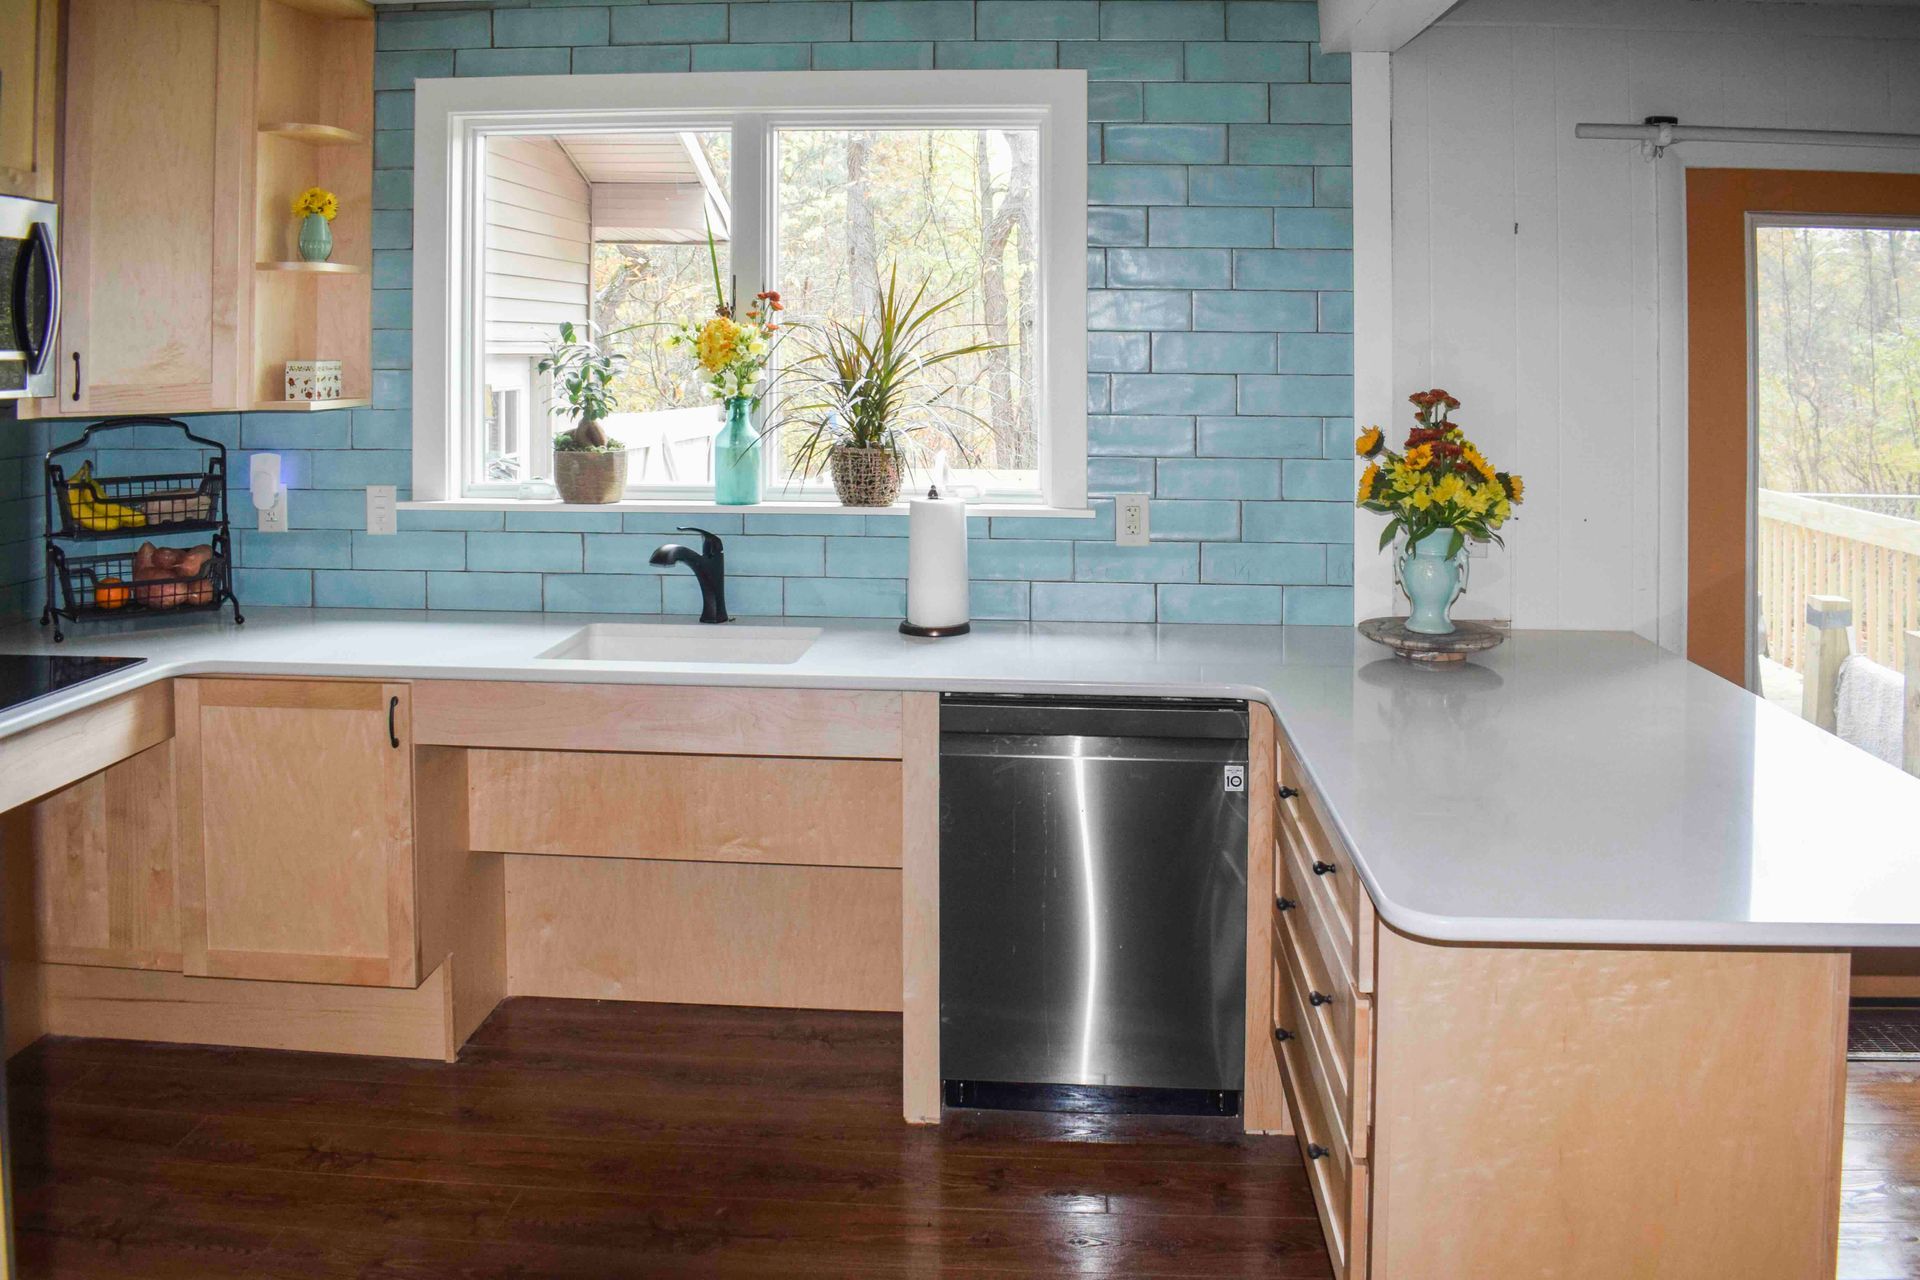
(867, 384)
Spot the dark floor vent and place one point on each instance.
(1884, 1031)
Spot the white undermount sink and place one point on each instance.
(675, 642)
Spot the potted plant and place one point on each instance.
(588, 467)
(733, 352)
(866, 393)
(316, 207)
(1440, 491)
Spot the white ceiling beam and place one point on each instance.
(1376, 26)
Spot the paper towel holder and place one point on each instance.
(935, 633)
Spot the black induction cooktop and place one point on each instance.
(24, 677)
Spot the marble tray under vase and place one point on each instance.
(1466, 638)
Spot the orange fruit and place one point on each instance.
(110, 593)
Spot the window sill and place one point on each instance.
(693, 506)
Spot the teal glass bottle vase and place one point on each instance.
(1432, 580)
(736, 457)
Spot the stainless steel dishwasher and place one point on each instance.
(1093, 903)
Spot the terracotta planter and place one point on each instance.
(590, 477)
(865, 477)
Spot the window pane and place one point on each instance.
(607, 230)
(1837, 430)
(957, 210)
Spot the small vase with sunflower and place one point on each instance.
(316, 208)
(1440, 491)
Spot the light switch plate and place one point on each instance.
(1130, 519)
(273, 519)
(382, 509)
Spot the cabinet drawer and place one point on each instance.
(1340, 1183)
(1327, 877)
(1316, 910)
(1336, 1035)
(665, 719)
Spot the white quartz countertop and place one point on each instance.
(1569, 787)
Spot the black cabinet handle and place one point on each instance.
(1324, 868)
(1287, 793)
(1317, 1152)
(76, 377)
(1285, 904)
(393, 733)
(1282, 1034)
(1315, 999)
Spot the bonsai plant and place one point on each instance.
(588, 466)
(866, 393)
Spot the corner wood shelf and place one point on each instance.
(313, 268)
(308, 406)
(321, 135)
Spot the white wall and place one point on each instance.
(538, 242)
(1541, 279)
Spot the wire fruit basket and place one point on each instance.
(83, 506)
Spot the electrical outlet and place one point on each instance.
(382, 515)
(273, 519)
(1130, 519)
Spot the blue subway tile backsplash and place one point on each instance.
(1219, 315)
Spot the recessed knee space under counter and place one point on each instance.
(365, 856)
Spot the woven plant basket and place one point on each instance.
(865, 477)
(590, 477)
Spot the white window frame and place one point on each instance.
(454, 117)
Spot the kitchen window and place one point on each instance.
(542, 200)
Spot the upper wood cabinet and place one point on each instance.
(29, 96)
(296, 831)
(151, 205)
(190, 125)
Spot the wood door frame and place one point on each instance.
(1719, 273)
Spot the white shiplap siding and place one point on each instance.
(538, 242)
(1541, 278)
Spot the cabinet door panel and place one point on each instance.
(151, 209)
(297, 832)
(29, 96)
(90, 869)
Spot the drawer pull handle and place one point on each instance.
(1324, 868)
(1282, 1034)
(1317, 1152)
(1285, 904)
(1287, 793)
(1315, 999)
(393, 735)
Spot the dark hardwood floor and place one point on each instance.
(578, 1139)
(583, 1139)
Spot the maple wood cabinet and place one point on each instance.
(189, 126)
(296, 851)
(29, 96)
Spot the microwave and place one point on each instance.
(29, 297)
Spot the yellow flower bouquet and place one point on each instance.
(733, 350)
(316, 200)
(1440, 480)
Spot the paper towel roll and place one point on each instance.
(936, 566)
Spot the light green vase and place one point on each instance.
(316, 238)
(736, 457)
(1432, 580)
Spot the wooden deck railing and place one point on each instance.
(1812, 548)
